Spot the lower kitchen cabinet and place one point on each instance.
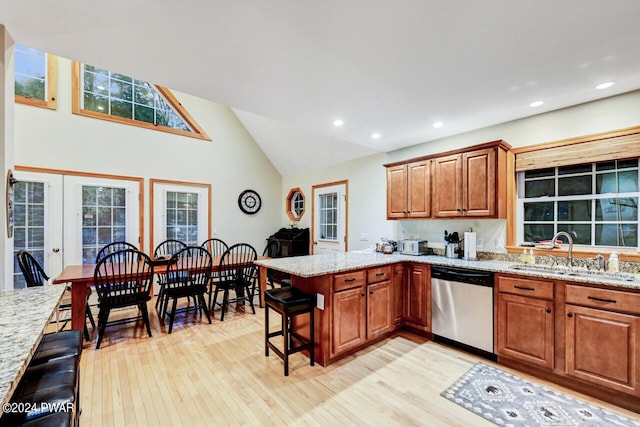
(398, 290)
(525, 329)
(417, 297)
(349, 320)
(602, 344)
(525, 320)
(379, 318)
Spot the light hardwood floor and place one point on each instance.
(206, 375)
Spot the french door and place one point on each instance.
(65, 219)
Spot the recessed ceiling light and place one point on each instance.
(438, 125)
(605, 85)
(536, 103)
(375, 135)
(338, 122)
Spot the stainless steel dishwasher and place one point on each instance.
(462, 309)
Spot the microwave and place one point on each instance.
(413, 247)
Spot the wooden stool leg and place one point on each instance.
(287, 346)
(266, 330)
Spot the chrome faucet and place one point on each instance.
(570, 252)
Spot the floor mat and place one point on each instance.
(508, 400)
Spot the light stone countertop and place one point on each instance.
(317, 265)
(24, 314)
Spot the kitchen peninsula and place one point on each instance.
(547, 320)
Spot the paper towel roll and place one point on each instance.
(470, 245)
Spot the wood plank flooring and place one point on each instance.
(205, 375)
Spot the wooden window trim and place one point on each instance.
(622, 136)
(52, 87)
(139, 180)
(289, 201)
(197, 133)
(152, 184)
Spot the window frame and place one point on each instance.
(197, 132)
(512, 245)
(51, 76)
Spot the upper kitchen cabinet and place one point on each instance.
(471, 183)
(409, 190)
(456, 184)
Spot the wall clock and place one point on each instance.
(249, 202)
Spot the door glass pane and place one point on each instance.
(104, 219)
(328, 216)
(182, 217)
(28, 229)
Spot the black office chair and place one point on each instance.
(238, 273)
(274, 250)
(123, 279)
(167, 249)
(187, 276)
(216, 248)
(113, 247)
(34, 275)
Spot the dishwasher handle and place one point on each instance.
(476, 277)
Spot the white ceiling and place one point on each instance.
(288, 68)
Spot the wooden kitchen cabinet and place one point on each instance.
(398, 291)
(525, 320)
(465, 184)
(409, 190)
(417, 297)
(602, 337)
(379, 309)
(349, 320)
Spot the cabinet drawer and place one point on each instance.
(349, 280)
(378, 274)
(603, 298)
(527, 287)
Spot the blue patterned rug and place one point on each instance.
(508, 400)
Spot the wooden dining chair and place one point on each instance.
(166, 248)
(113, 247)
(216, 248)
(188, 276)
(239, 274)
(34, 275)
(123, 279)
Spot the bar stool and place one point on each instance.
(289, 302)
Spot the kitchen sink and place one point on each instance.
(572, 272)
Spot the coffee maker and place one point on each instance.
(452, 244)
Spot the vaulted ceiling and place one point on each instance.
(289, 68)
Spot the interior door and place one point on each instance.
(38, 221)
(330, 218)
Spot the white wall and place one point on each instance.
(231, 163)
(6, 149)
(367, 179)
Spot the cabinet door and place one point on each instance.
(447, 184)
(379, 318)
(349, 320)
(525, 328)
(602, 348)
(417, 296)
(397, 192)
(419, 189)
(479, 182)
(397, 293)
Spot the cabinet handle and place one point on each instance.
(459, 210)
(353, 279)
(370, 292)
(379, 274)
(569, 314)
(602, 299)
(464, 210)
(361, 295)
(524, 288)
(548, 310)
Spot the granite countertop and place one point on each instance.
(24, 314)
(317, 265)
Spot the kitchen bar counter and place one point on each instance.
(24, 314)
(317, 265)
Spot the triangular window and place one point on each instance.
(116, 97)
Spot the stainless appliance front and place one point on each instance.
(462, 308)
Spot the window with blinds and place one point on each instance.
(595, 201)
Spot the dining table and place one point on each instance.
(81, 276)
